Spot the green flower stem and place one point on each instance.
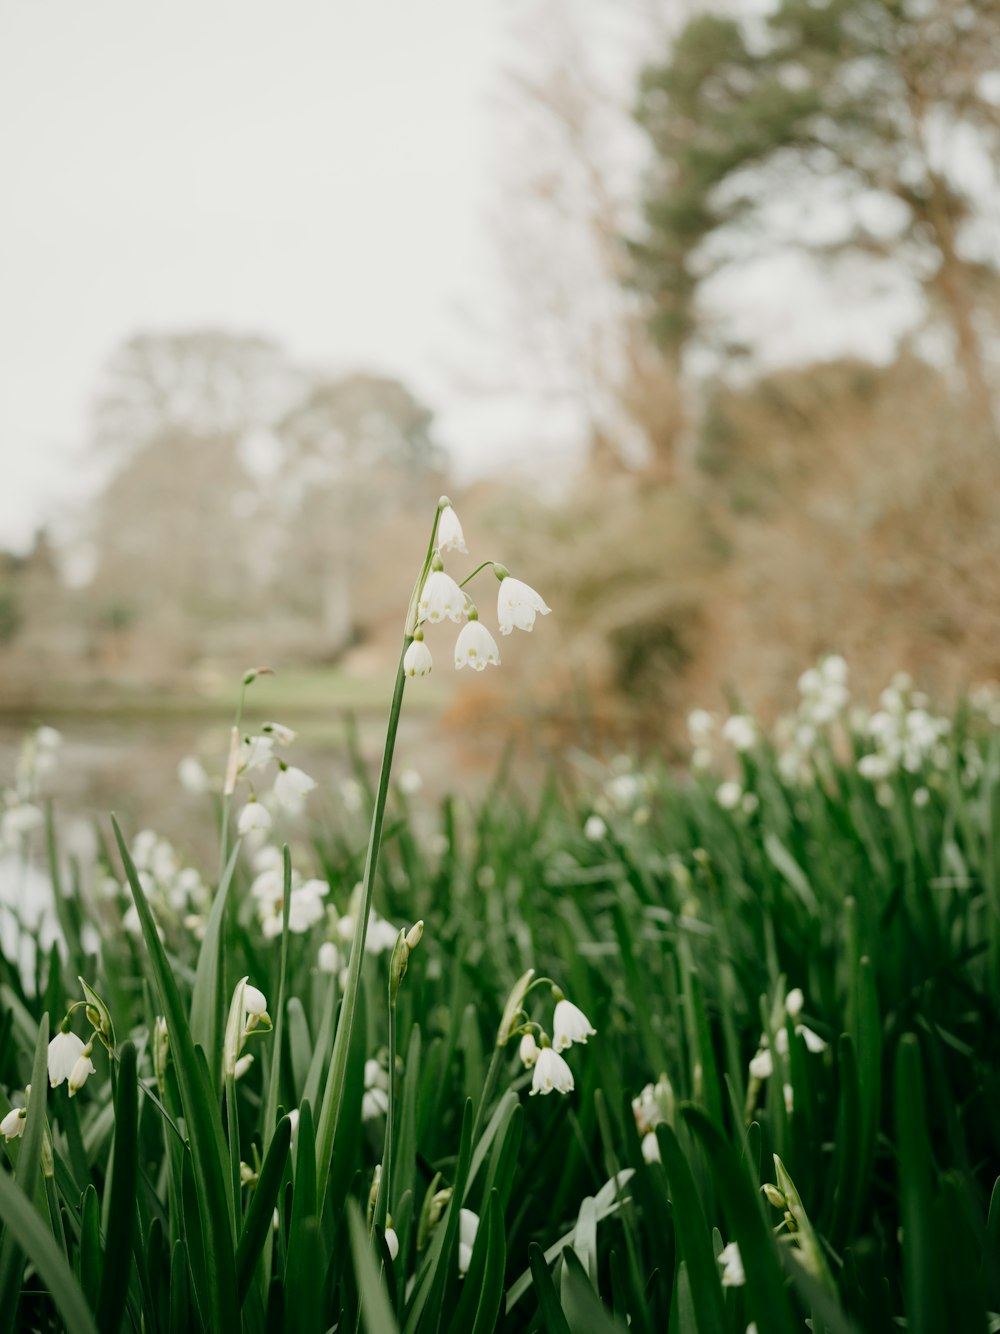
(383, 1196)
(336, 1078)
(469, 577)
(227, 797)
(333, 1094)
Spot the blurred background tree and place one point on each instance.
(862, 126)
(716, 515)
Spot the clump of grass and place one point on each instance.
(790, 955)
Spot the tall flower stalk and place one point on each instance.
(333, 1093)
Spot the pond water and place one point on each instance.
(130, 767)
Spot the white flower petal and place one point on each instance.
(417, 660)
(441, 597)
(253, 816)
(569, 1025)
(762, 1065)
(732, 1266)
(517, 606)
(12, 1126)
(551, 1072)
(449, 532)
(528, 1051)
(291, 786)
(476, 647)
(65, 1050)
(83, 1068)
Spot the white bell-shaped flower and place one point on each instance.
(253, 816)
(441, 597)
(279, 732)
(12, 1126)
(254, 1001)
(569, 1025)
(528, 1051)
(291, 787)
(468, 1227)
(65, 1050)
(650, 1147)
(476, 647)
(762, 1064)
(517, 606)
(417, 660)
(328, 960)
(551, 1072)
(82, 1070)
(449, 532)
(391, 1242)
(732, 1266)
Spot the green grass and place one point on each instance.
(679, 930)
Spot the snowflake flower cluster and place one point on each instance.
(904, 734)
(250, 761)
(247, 1015)
(177, 894)
(440, 598)
(654, 1105)
(549, 1069)
(762, 1064)
(21, 808)
(306, 906)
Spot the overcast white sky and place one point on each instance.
(322, 171)
(310, 170)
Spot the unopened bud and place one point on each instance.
(773, 1195)
(414, 935)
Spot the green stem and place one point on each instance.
(227, 797)
(336, 1078)
(333, 1094)
(383, 1196)
(476, 571)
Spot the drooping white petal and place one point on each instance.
(650, 1147)
(417, 660)
(449, 532)
(441, 597)
(391, 1242)
(253, 816)
(812, 1040)
(476, 647)
(569, 1025)
(12, 1126)
(594, 829)
(82, 1069)
(254, 1000)
(551, 1072)
(374, 1103)
(762, 1065)
(291, 787)
(328, 960)
(468, 1227)
(528, 1051)
(65, 1050)
(517, 606)
(732, 1266)
(280, 733)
